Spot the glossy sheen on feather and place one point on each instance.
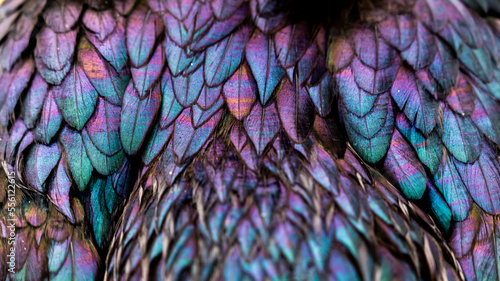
(137, 117)
(250, 139)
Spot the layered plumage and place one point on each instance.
(242, 140)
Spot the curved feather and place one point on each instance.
(266, 80)
(262, 125)
(295, 109)
(50, 120)
(137, 117)
(461, 137)
(34, 101)
(296, 35)
(187, 140)
(170, 107)
(76, 157)
(187, 88)
(103, 163)
(59, 189)
(374, 148)
(40, 162)
(415, 101)
(145, 76)
(61, 17)
(108, 83)
(453, 189)
(103, 127)
(482, 179)
(222, 59)
(76, 98)
(402, 166)
(240, 92)
(113, 48)
(142, 28)
(102, 24)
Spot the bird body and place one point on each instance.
(250, 140)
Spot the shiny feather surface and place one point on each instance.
(249, 140)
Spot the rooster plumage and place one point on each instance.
(250, 140)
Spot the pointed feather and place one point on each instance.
(103, 127)
(240, 92)
(482, 179)
(374, 81)
(76, 157)
(223, 9)
(124, 7)
(108, 83)
(416, 103)
(258, 61)
(98, 215)
(453, 189)
(180, 31)
(444, 67)
(340, 53)
(200, 116)
(16, 44)
(187, 88)
(50, 120)
(372, 50)
(170, 107)
(20, 75)
(145, 76)
(16, 133)
(102, 24)
(295, 110)
(322, 95)
(484, 115)
(40, 161)
(371, 123)
(461, 98)
(461, 137)
(113, 47)
(262, 124)
(155, 143)
(34, 100)
(291, 43)
(103, 163)
(422, 51)
(55, 50)
(61, 17)
(406, 29)
(222, 59)
(403, 167)
(142, 27)
(476, 61)
(463, 22)
(373, 149)
(177, 57)
(439, 207)
(208, 96)
(219, 29)
(187, 140)
(76, 98)
(429, 149)
(356, 100)
(137, 117)
(59, 189)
